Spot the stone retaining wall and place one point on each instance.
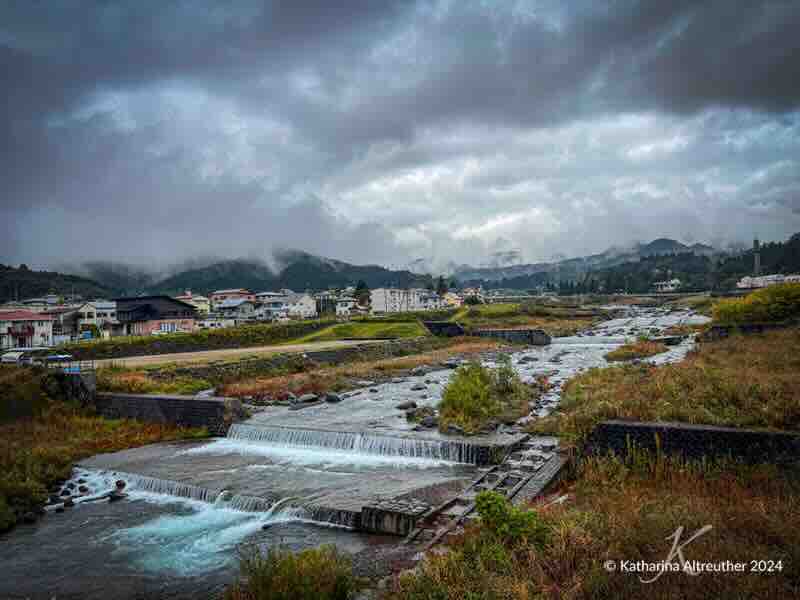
(215, 414)
(532, 337)
(694, 441)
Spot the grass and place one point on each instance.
(701, 304)
(314, 574)
(38, 451)
(341, 377)
(742, 381)
(637, 349)
(627, 511)
(476, 395)
(555, 320)
(131, 381)
(365, 330)
(204, 339)
(767, 305)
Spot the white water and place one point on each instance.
(358, 443)
(308, 457)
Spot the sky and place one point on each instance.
(159, 131)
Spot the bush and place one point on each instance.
(774, 303)
(642, 348)
(314, 574)
(510, 524)
(475, 395)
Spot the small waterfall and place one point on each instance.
(141, 483)
(359, 442)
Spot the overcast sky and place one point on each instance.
(381, 132)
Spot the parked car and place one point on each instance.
(11, 358)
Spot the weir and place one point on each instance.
(475, 452)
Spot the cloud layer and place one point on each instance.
(382, 132)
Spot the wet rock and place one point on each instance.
(398, 380)
(429, 422)
(418, 387)
(69, 503)
(308, 398)
(59, 509)
(406, 405)
(83, 489)
(333, 398)
(429, 381)
(29, 517)
(365, 383)
(81, 480)
(71, 485)
(54, 499)
(373, 390)
(65, 492)
(120, 484)
(455, 430)
(527, 359)
(420, 370)
(116, 495)
(451, 364)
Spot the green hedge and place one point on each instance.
(205, 339)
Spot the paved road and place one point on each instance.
(205, 356)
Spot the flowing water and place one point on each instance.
(283, 478)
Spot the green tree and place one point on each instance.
(362, 293)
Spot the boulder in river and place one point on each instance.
(308, 398)
(120, 484)
(29, 517)
(455, 430)
(406, 405)
(429, 422)
(69, 503)
(418, 387)
(116, 495)
(83, 489)
(333, 398)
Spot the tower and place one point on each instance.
(756, 258)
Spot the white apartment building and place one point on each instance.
(766, 281)
(389, 300)
(667, 286)
(301, 306)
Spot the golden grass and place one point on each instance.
(744, 381)
(637, 349)
(617, 511)
(335, 378)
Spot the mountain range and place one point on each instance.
(300, 271)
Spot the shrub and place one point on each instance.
(642, 348)
(475, 395)
(510, 524)
(774, 303)
(314, 574)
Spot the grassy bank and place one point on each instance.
(555, 320)
(365, 330)
(205, 339)
(771, 304)
(616, 511)
(343, 377)
(37, 451)
(742, 381)
(637, 349)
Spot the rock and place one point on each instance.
(527, 359)
(55, 499)
(59, 509)
(365, 383)
(373, 390)
(451, 364)
(406, 405)
(455, 430)
(418, 388)
(120, 485)
(81, 480)
(429, 422)
(333, 398)
(420, 370)
(71, 485)
(69, 503)
(116, 495)
(83, 489)
(398, 380)
(29, 517)
(290, 397)
(65, 492)
(266, 526)
(308, 398)
(429, 381)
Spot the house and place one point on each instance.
(271, 306)
(345, 306)
(210, 322)
(201, 303)
(222, 295)
(148, 314)
(94, 316)
(25, 329)
(667, 286)
(239, 309)
(65, 323)
(766, 281)
(452, 299)
(388, 300)
(301, 306)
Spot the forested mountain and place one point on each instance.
(22, 282)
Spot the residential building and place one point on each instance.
(96, 316)
(389, 300)
(670, 285)
(222, 295)
(201, 303)
(271, 307)
(345, 306)
(452, 299)
(25, 329)
(65, 323)
(301, 306)
(766, 281)
(148, 314)
(211, 322)
(239, 309)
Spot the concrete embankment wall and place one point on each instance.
(533, 337)
(694, 441)
(215, 414)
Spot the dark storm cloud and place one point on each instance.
(128, 128)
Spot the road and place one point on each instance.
(205, 356)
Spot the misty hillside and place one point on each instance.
(21, 282)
